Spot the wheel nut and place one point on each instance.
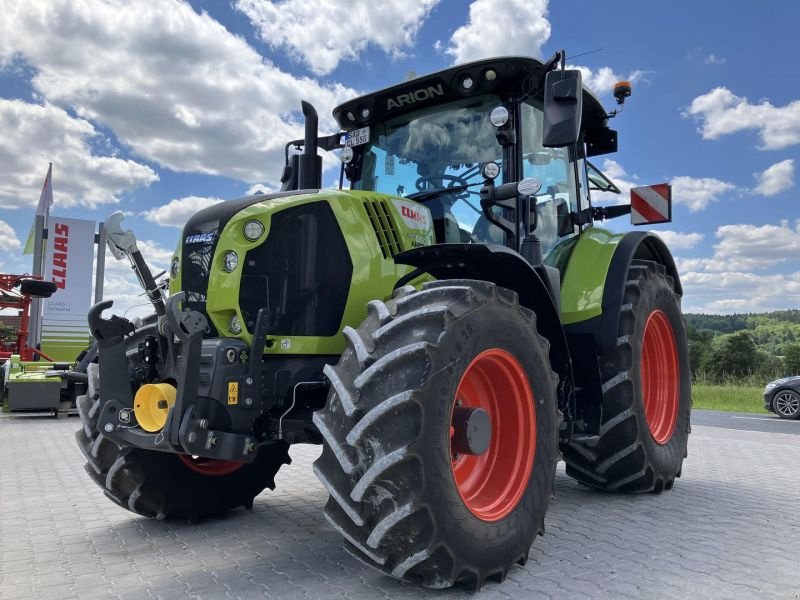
(108, 427)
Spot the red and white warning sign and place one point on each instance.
(651, 204)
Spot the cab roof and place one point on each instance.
(503, 75)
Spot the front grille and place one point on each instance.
(301, 274)
(380, 217)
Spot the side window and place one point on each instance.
(557, 197)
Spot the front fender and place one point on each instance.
(505, 268)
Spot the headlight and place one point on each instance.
(253, 230)
(235, 325)
(770, 386)
(230, 261)
(175, 267)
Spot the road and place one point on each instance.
(766, 422)
(728, 530)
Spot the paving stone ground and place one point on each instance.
(729, 529)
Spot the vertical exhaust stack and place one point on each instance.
(309, 172)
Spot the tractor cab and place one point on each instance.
(460, 141)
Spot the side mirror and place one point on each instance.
(651, 204)
(563, 106)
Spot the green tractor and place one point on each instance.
(449, 323)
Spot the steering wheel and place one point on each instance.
(455, 181)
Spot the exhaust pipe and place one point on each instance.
(309, 171)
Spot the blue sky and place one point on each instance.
(158, 109)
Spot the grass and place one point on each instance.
(732, 398)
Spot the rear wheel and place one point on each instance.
(787, 404)
(165, 485)
(441, 435)
(646, 393)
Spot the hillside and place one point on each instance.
(771, 332)
(744, 347)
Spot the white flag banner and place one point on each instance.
(68, 264)
(43, 208)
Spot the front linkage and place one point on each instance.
(183, 431)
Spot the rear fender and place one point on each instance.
(594, 276)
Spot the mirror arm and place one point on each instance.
(602, 213)
(504, 195)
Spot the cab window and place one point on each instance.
(557, 196)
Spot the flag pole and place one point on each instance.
(38, 259)
(39, 226)
(101, 263)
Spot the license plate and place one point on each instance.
(356, 137)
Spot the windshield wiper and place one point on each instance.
(427, 195)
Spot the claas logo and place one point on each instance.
(412, 214)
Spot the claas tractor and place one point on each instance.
(448, 324)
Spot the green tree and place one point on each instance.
(734, 355)
(791, 359)
(699, 348)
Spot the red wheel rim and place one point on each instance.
(660, 377)
(493, 483)
(210, 466)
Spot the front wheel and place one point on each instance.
(165, 485)
(787, 404)
(441, 435)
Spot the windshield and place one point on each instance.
(441, 147)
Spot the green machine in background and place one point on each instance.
(30, 380)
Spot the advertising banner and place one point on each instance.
(68, 264)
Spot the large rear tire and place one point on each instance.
(164, 485)
(646, 393)
(410, 496)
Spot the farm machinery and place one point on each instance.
(448, 325)
(29, 379)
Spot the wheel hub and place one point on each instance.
(472, 431)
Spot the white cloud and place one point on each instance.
(737, 278)
(745, 247)
(176, 212)
(722, 113)
(34, 134)
(698, 192)
(748, 247)
(677, 240)
(602, 81)
(736, 291)
(776, 179)
(174, 85)
(323, 34)
(8, 238)
(501, 28)
(264, 189)
(713, 59)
